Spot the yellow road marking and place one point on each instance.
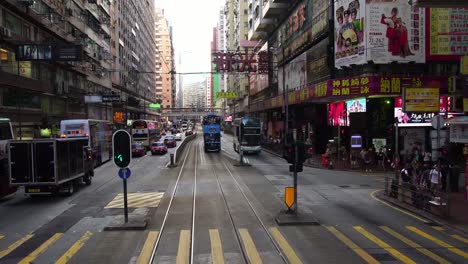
(15, 245)
(414, 245)
(74, 248)
(439, 228)
(136, 200)
(31, 257)
(184, 247)
(147, 250)
(462, 239)
(1, 236)
(438, 241)
(216, 247)
(397, 254)
(349, 243)
(252, 252)
(398, 209)
(283, 243)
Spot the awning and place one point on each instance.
(459, 120)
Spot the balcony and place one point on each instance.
(260, 28)
(273, 9)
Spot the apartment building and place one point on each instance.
(165, 82)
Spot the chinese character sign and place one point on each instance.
(421, 100)
(395, 32)
(241, 61)
(349, 32)
(448, 33)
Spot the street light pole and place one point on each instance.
(285, 97)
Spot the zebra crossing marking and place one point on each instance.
(136, 200)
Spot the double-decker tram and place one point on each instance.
(211, 132)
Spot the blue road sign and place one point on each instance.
(125, 173)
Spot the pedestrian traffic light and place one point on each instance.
(290, 155)
(121, 148)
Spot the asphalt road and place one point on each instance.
(222, 213)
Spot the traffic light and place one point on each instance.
(290, 155)
(121, 148)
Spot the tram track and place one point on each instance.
(223, 178)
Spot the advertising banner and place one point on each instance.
(295, 72)
(349, 41)
(421, 100)
(447, 35)
(394, 32)
(317, 62)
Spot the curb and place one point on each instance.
(431, 217)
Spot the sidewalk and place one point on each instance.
(458, 218)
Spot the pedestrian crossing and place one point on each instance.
(136, 200)
(406, 244)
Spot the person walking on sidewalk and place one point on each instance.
(368, 157)
(436, 177)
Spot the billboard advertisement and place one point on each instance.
(394, 32)
(337, 115)
(295, 72)
(349, 40)
(421, 99)
(356, 105)
(447, 35)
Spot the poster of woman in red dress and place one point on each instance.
(397, 34)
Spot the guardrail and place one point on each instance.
(174, 157)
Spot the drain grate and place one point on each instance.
(343, 186)
(383, 257)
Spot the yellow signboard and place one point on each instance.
(289, 196)
(421, 100)
(228, 95)
(464, 65)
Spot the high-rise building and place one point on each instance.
(134, 46)
(165, 89)
(46, 85)
(195, 94)
(180, 87)
(209, 89)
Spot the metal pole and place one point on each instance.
(19, 106)
(296, 156)
(397, 154)
(438, 136)
(125, 200)
(339, 140)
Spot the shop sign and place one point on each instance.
(118, 117)
(303, 26)
(317, 62)
(448, 33)
(395, 32)
(464, 63)
(350, 46)
(228, 95)
(241, 61)
(111, 98)
(421, 100)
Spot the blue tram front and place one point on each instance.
(212, 133)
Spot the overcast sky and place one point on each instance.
(192, 25)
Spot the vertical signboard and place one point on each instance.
(350, 46)
(447, 35)
(395, 31)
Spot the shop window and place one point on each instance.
(3, 55)
(11, 22)
(13, 98)
(26, 31)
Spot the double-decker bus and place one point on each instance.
(247, 135)
(212, 132)
(145, 132)
(6, 133)
(99, 133)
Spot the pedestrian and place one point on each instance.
(436, 178)
(381, 159)
(406, 175)
(354, 159)
(368, 160)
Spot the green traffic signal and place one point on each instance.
(121, 148)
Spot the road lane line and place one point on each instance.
(184, 247)
(462, 239)
(438, 241)
(414, 245)
(1, 236)
(285, 246)
(31, 257)
(15, 245)
(74, 248)
(397, 254)
(249, 245)
(145, 254)
(398, 209)
(439, 228)
(216, 247)
(353, 246)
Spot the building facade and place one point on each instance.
(65, 54)
(195, 94)
(165, 84)
(338, 70)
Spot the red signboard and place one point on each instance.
(241, 61)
